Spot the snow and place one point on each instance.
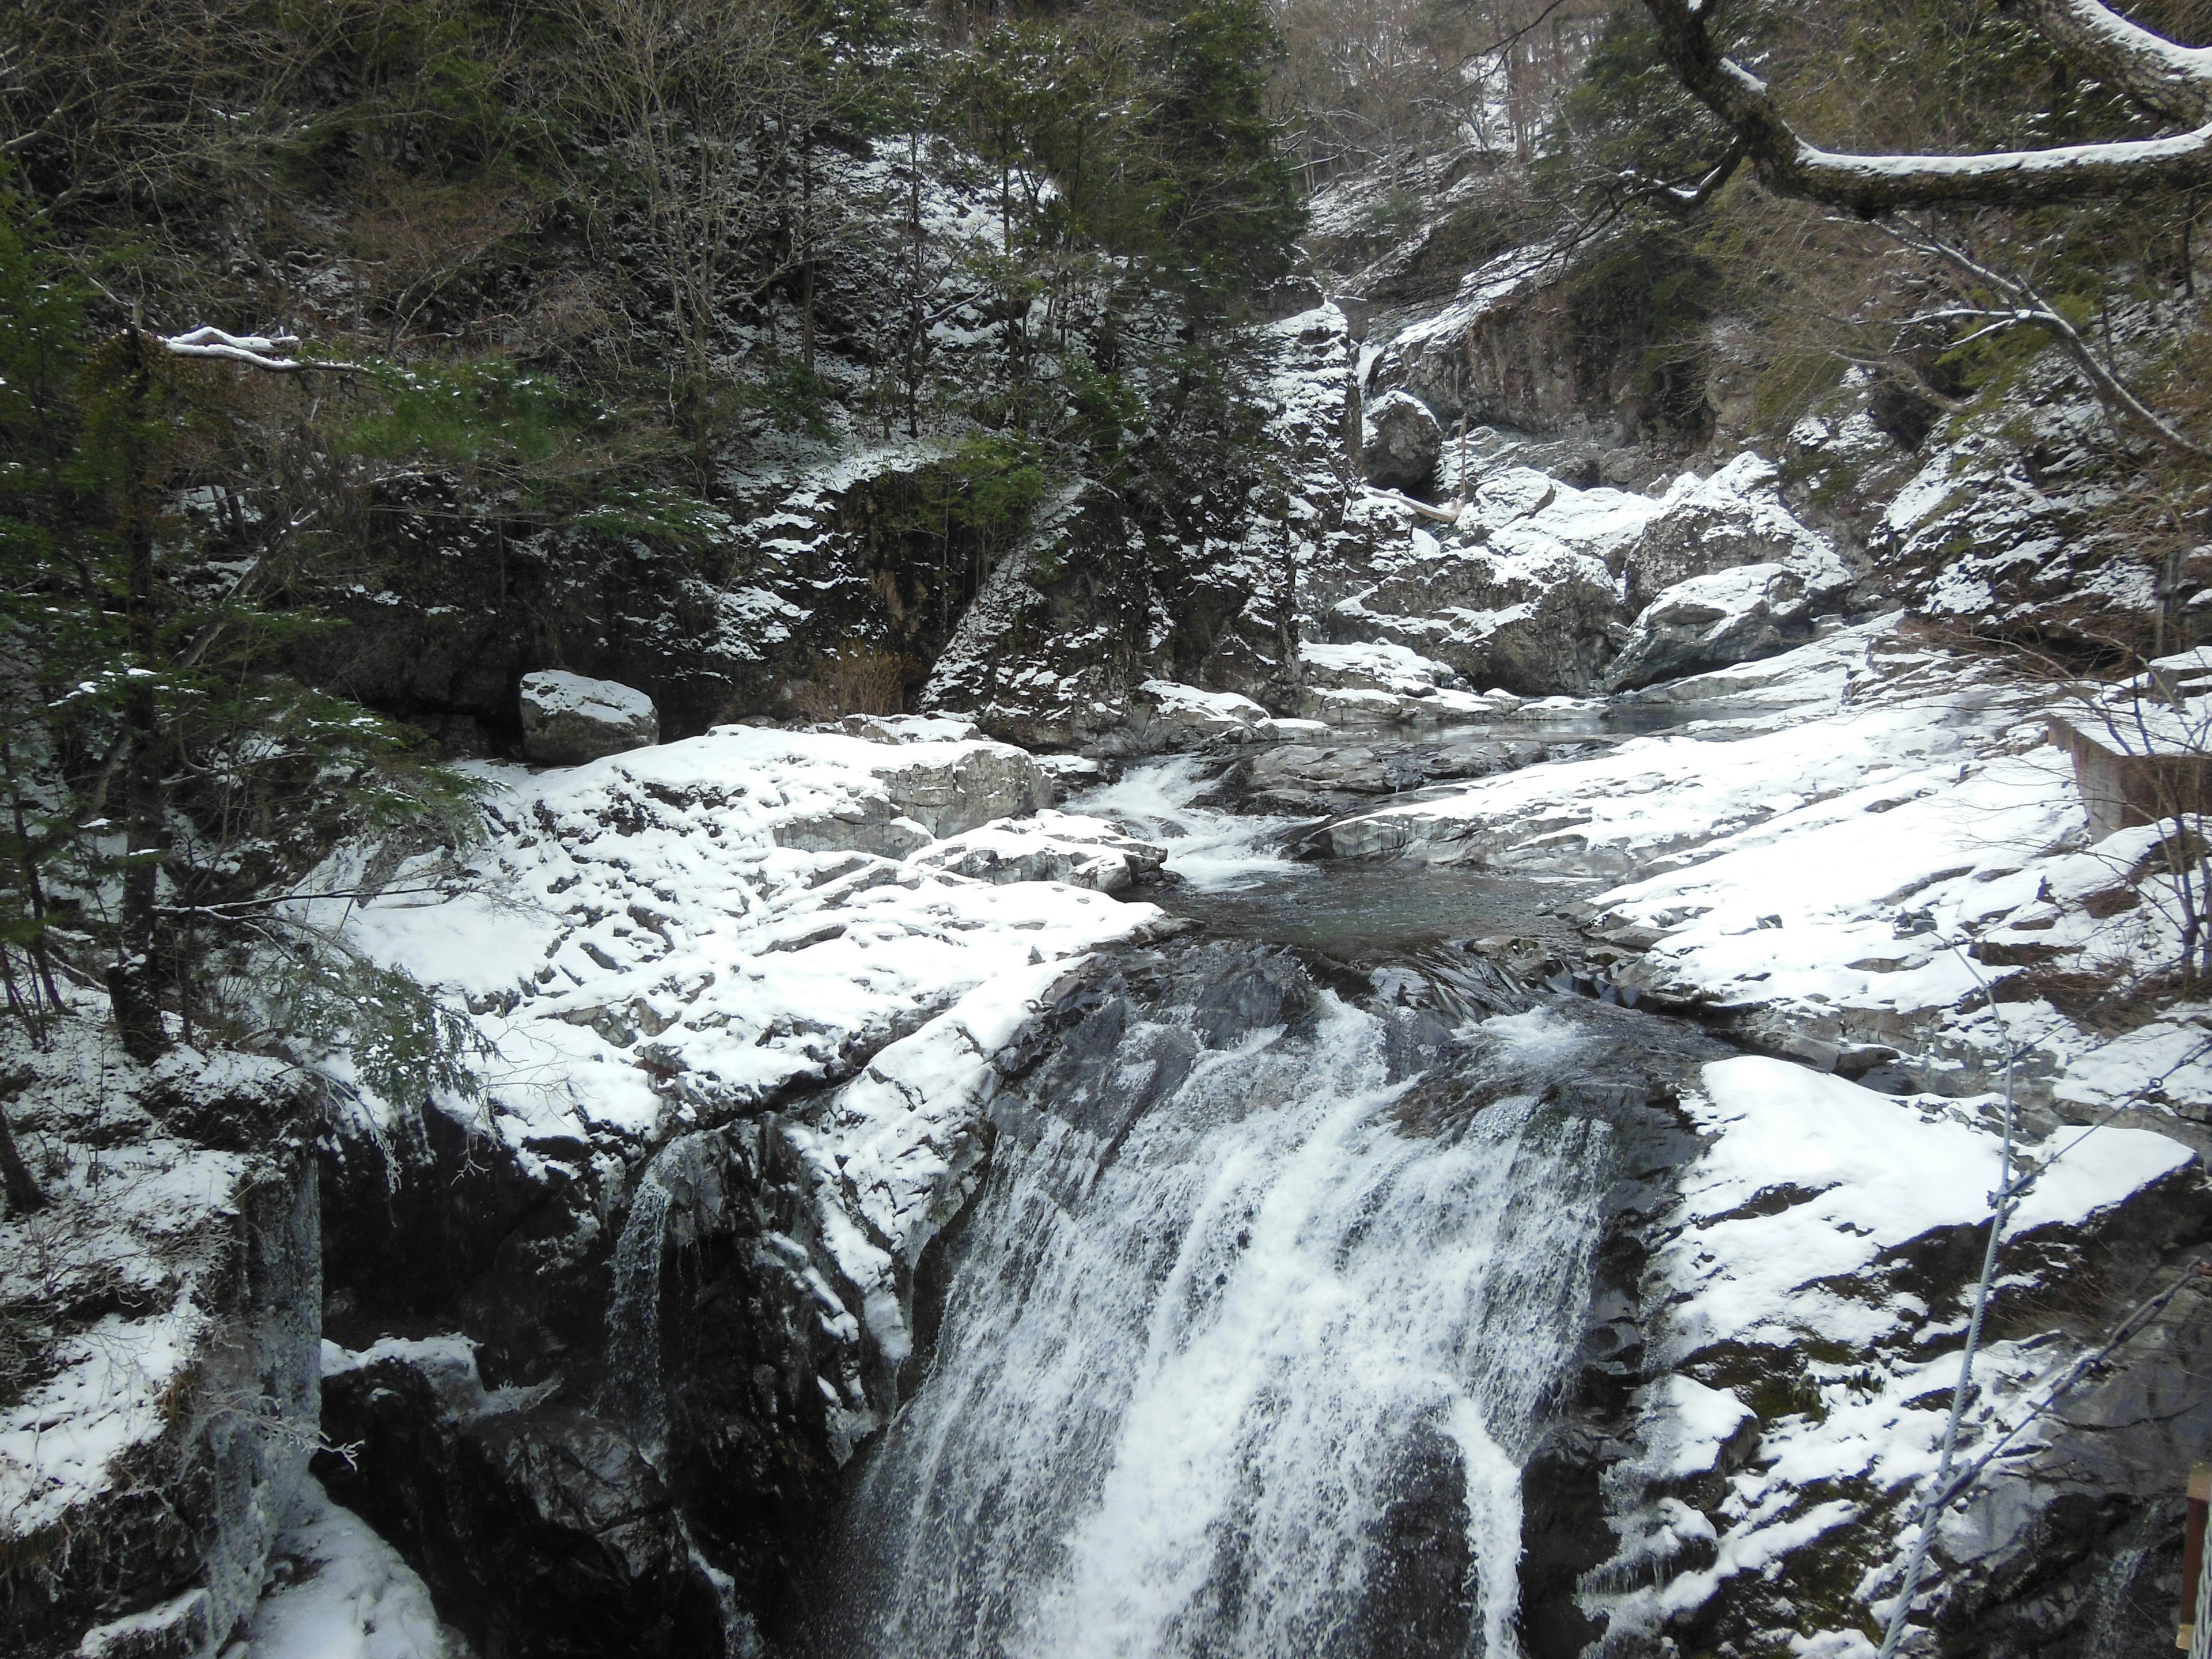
(134, 1217)
(1214, 707)
(555, 691)
(1779, 1249)
(1878, 1172)
(1873, 834)
(336, 1590)
(1391, 667)
(663, 940)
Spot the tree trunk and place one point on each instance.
(134, 981)
(806, 251)
(23, 1193)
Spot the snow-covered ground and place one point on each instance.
(336, 1590)
(673, 935)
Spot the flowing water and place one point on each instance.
(1244, 1346)
(1235, 872)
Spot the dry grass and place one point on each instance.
(861, 679)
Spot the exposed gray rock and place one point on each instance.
(1711, 621)
(568, 719)
(994, 780)
(1401, 445)
(1735, 517)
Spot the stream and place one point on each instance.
(1277, 1279)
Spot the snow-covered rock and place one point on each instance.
(1735, 517)
(1733, 615)
(568, 719)
(720, 1031)
(336, 1590)
(1373, 665)
(1376, 683)
(1802, 1306)
(1841, 889)
(1164, 715)
(1063, 847)
(162, 1311)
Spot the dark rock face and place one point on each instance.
(539, 1529)
(648, 1391)
(1402, 451)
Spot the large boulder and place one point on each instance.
(568, 719)
(1534, 616)
(1733, 519)
(1711, 621)
(1402, 444)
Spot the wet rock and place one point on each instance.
(1420, 1600)
(568, 719)
(1299, 771)
(1403, 444)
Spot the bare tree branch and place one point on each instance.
(2172, 79)
(2029, 309)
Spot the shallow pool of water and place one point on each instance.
(1232, 872)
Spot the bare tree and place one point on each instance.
(705, 109)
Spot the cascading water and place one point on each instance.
(634, 1393)
(1207, 849)
(1242, 1353)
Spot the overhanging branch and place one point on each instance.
(2180, 78)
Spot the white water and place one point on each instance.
(1179, 1379)
(1211, 849)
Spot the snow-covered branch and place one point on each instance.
(254, 350)
(2175, 80)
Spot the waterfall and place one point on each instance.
(1248, 1373)
(633, 1395)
